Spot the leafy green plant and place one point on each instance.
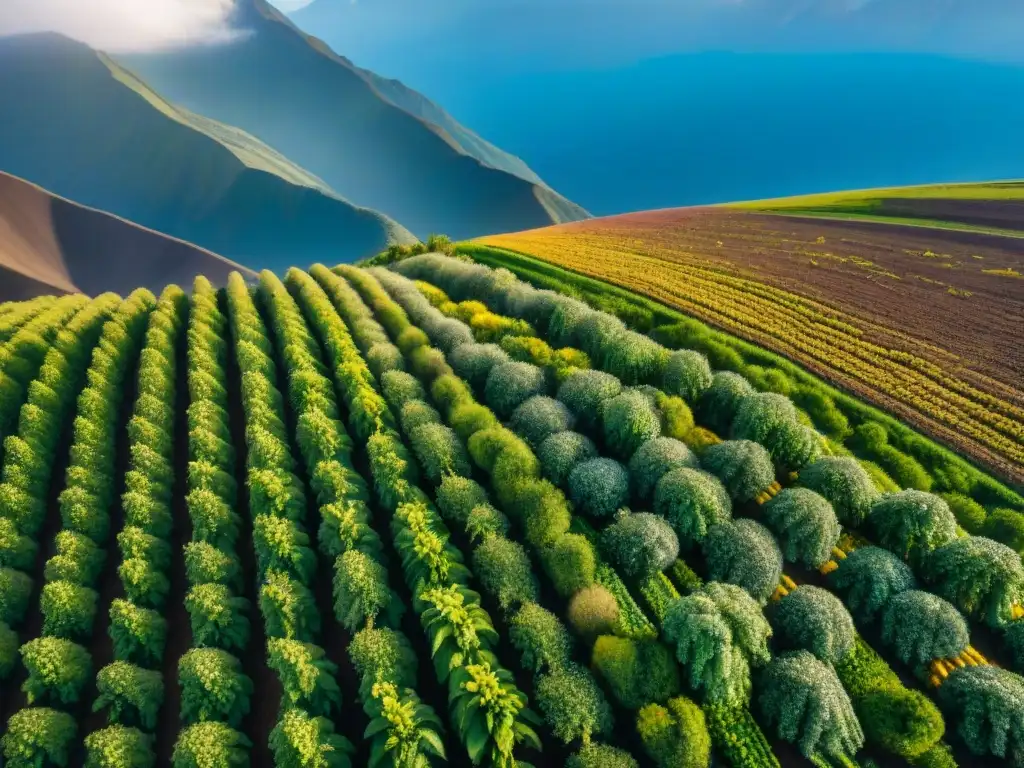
(8, 650)
(15, 594)
(921, 626)
(744, 553)
(770, 420)
(206, 564)
(38, 736)
(473, 362)
(288, 607)
(382, 655)
(509, 385)
(911, 524)
(629, 420)
(16, 551)
(988, 706)
(301, 740)
(813, 619)
(570, 563)
(77, 560)
(117, 746)
(601, 756)
(143, 582)
(68, 610)
(561, 452)
(692, 501)
(505, 571)
(637, 672)
(675, 735)
(540, 417)
(213, 686)
(902, 721)
(718, 404)
(138, 634)
(57, 669)
(640, 544)
(132, 695)
(1005, 526)
(870, 577)
(543, 642)
(653, 460)
(743, 467)
(306, 675)
(599, 486)
(210, 743)
(457, 626)
(217, 617)
(402, 730)
(804, 524)
(980, 576)
(687, 374)
(845, 484)
(585, 393)
(593, 611)
(573, 704)
(440, 452)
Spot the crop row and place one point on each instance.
(14, 314)
(58, 668)
(744, 470)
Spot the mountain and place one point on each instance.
(334, 119)
(52, 245)
(78, 124)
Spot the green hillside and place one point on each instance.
(344, 126)
(87, 129)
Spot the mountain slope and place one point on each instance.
(79, 125)
(330, 119)
(51, 245)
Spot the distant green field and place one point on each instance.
(866, 200)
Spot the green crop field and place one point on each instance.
(434, 514)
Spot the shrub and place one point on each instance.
(637, 672)
(449, 391)
(539, 417)
(692, 501)
(870, 577)
(1013, 636)
(16, 551)
(901, 721)
(980, 576)
(676, 416)
(803, 700)
(8, 651)
(543, 642)
(119, 747)
(509, 385)
(457, 496)
(288, 607)
(440, 452)
(570, 563)
(805, 525)
(133, 694)
(57, 669)
(300, 740)
(361, 592)
(306, 675)
(641, 544)
(80, 561)
(382, 655)
(744, 553)
(593, 611)
(969, 514)
(634, 358)
(68, 610)
(210, 744)
(584, 392)
(483, 521)
(410, 339)
(629, 421)
(515, 468)
(654, 459)
(988, 706)
(383, 357)
(205, 563)
(720, 401)
(601, 756)
(911, 524)
(561, 452)
(213, 687)
(771, 420)
(469, 418)
(845, 484)
(217, 617)
(38, 736)
(687, 374)
(813, 619)
(675, 735)
(1007, 527)
(599, 486)
(743, 467)
(573, 704)
(921, 626)
(400, 387)
(417, 413)
(485, 446)
(473, 362)
(545, 510)
(504, 571)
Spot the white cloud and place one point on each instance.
(123, 25)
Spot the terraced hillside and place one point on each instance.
(911, 299)
(351, 518)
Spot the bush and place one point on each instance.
(440, 452)
(805, 525)
(573, 704)
(299, 739)
(687, 374)
(910, 524)
(771, 420)
(676, 735)
(601, 756)
(629, 420)
(410, 339)
(139, 634)
(641, 544)
(584, 392)
(593, 611)
(921, 626)
(988, 706)
(561, 452)
(457, 497)
(969, 514)
(720, 401)
(1007, 527)
(80, 561)
(543, 642)
(486, 445)
(692, 501)
(483, 521)
(361, 592)
(743, 467)
(16, 551)
(38, 736)
(509, 385)
(383, 357)
(637, 672)
(133, 694)
(217, 617)
(539, 417)
(676, 416)
(504, 571)
(205, 563)
(400, 387)
(68, 610)
(515, 468)
(288, 607)
(213, 687)
(473, 362)
(570, 563)
(15, 594)
(870, 577)
(545, 511)
(8, 651)
(901, 721)
(980, 576)
(469, 418)
(119, 747)
(599, 486)
(845, 484)
(449, 391)
(654, 459)
(210, 744)
(813, 619)
(634, 358)
(57, 669)
(417, 413)
(803, 700)
(306, 675)
(744, 553)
